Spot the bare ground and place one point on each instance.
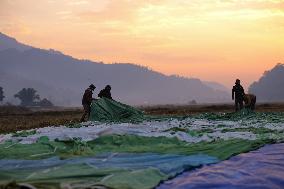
(196, 109)
(14, 118)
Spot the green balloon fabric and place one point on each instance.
(107, 110)
(222, 149)
(62, 157)
(114, 170)
(79, 164)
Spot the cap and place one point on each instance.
(92, 86)
(108, 87)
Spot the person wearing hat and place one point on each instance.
(238, 94)
(86, 101)
(105, 92)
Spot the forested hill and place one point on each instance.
(62, 78)
(270, 87)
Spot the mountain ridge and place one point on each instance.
(9, 42)
(66, 78)
(269, 87)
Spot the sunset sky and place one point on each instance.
(214, 40)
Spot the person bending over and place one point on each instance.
(105, 92)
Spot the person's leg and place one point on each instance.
(241, 104)
(83, 117)
(253, 103)
(88, 108)
(236, 106)
(84, 114)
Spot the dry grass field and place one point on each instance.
(14, 118)
(18, 118)
(196, 109)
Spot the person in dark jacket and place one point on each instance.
(105, 92)
(238, 95)
(86, 102)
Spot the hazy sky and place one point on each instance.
(217, 40)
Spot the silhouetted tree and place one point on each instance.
(1, 94)
(45, 103)
(27, 96)
(192, 102)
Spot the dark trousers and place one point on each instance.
(238, 104)
(87, 111)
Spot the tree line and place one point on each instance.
(28, 97)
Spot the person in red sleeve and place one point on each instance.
(86, 102)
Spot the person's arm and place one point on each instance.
(100, 94)
(109, 95)
(247, 100)
(233, 93)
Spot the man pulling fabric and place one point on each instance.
(86, 102)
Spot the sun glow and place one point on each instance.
(213, 40)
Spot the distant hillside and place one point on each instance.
(7, 42)
(62, 78)
(216, 86)
(270, 87)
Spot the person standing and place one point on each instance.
(87, 101)
(238, 95)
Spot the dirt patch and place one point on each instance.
(18, 118)
(196, 109)
(15, 118)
